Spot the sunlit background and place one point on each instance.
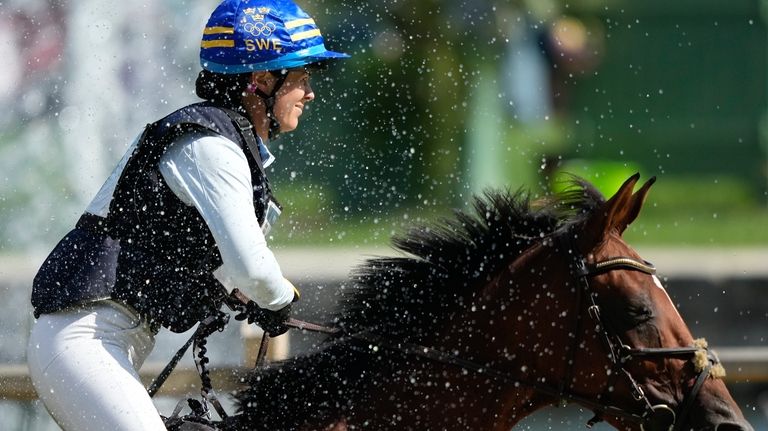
(440, 100)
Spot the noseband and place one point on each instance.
(652, 417)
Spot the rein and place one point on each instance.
(655, 417)
(213, 323)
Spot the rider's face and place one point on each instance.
(292, 98)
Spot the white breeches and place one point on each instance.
(84, 365)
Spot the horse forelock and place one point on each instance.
(449, 261)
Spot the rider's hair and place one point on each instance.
(222, 88)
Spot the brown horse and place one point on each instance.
(495, 315)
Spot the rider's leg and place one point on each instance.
(83, 363)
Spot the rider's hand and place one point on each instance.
(272, 322)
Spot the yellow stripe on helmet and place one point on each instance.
(221, 43)
(299, 22)
(305, 35)
(219, 30)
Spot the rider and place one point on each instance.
(179, 223)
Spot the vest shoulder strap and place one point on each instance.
(231, 124)
(245, 128)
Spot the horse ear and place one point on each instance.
(612, 211)
(635, 205)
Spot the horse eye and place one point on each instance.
(639, 314)
(628, 315)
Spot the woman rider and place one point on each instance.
(179, 223)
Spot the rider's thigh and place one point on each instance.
(83, 364)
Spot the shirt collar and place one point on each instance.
(266, 157)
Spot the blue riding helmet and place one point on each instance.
(254, 35)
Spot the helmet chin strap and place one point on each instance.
(269, 103)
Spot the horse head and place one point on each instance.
(627, 354)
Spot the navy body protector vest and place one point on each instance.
(152, 251)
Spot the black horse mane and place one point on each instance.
(447, 261)
(401, 297)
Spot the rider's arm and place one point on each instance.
(212, 173)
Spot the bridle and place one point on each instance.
(650, 417)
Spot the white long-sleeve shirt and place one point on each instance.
(211, 173)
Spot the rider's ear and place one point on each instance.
(635, 205)
(612, 212)
(263, 80)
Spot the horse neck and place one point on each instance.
(426, 394)
(528, 309)
(443, 395)
(502, 328)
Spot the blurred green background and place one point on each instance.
(440, 101)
